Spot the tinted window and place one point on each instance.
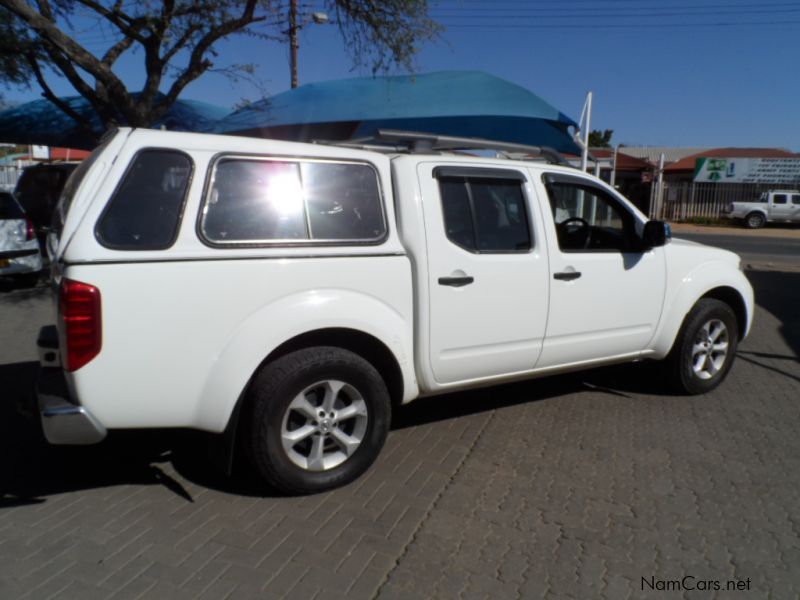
(779, 199)
(458, 223)
(255, 201)
(796, 199)
(590, 220)
(343, 201)
(485, 215)
(9, 209)
(145, 211)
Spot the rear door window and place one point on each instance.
(484, 214)
(145, 211)
(264, 201)
(779, 199)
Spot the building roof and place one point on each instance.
(57, 154)
(624, 161)
(653, 153)
(68, 153)
(687, 163)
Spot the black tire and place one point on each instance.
(754, 220)
(280, 383)
(682, 360)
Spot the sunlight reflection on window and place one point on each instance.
(285, 195)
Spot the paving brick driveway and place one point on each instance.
(570, 487)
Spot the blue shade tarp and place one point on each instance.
(462, 103)
(42, 122)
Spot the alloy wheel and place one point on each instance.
(324, 425)
(710, 349)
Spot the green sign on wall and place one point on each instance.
(747, 170)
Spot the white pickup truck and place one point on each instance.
(774, 205)
(288, 295)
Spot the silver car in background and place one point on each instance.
(20, 255)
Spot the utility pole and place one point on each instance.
(613, 178)
(320, 18)
(293, 39)
(658, 196)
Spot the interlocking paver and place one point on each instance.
(568, 487)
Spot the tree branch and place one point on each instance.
(74, 52)
(97, 98)
(182, 41)
(125, 23)
(113, 53)
(47, 92)
(198, 64)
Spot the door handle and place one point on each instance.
(566, 275)
(456, 281)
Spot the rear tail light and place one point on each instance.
(79, 305)
(30, 232)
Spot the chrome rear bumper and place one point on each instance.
(63, 421)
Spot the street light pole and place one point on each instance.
(293, 39)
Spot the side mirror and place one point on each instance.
(655, 234)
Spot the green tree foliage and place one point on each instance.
(175, 40)
(600, 139)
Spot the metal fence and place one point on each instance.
(688, 200)
(8, 176)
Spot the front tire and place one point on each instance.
(704, 349)
(318, 419)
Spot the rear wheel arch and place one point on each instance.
(365, 345)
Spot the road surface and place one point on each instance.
(775, 252)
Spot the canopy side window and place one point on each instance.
(265, 201)
(145, 211)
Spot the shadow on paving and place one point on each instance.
(31, 469)
(14, 292)
(779, 293)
